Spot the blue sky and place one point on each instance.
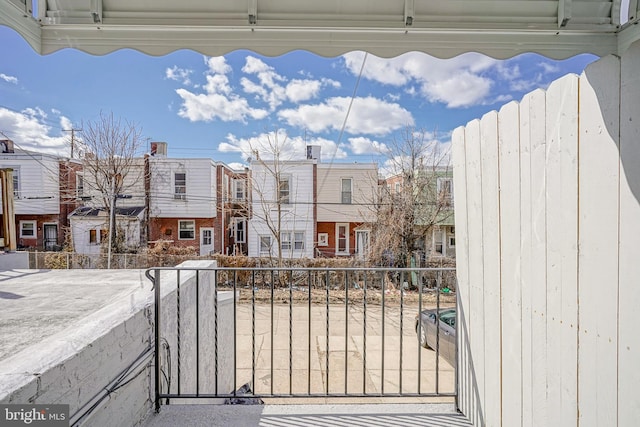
(223, 107)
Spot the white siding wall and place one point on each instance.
(296, 216)
(200, 199)
(132, 188)
(39, 191)
(364, 192)
(548, 225)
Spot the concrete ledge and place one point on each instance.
(96, 328)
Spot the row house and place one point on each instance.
(304, 208)
(183, 201)
(434, 219)
(44, 195)
(191, 202)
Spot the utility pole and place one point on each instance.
(73, 138)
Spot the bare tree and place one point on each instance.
(271, 188)
(412, 202)
(111, 168)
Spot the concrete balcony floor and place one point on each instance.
(344, 415)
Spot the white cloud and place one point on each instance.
(290, 148)
(436, 152)
(362, 145)
(268, 87)
(459, 90)
(9, 79)
(217, 65)
(548, 68)
(368, 115)
(179, 74)
(302, 90)
(210, 106)
(218, 100)
(29, 131)
(331, 83)
(237, 166)
(455, 82)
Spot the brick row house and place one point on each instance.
(44, 194)
(434, 218)
(184, 201)
(291, 209)
(306, 208)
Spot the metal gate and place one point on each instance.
(238, 335)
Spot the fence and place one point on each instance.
(323, 332)
(548, 225)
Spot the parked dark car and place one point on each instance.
(427, 332)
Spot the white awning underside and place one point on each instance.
(445, 28)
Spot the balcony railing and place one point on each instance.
(299, 333)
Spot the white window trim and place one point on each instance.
(17, 194)
(35, 229)
(323, 239)
(439, 184)
(282, 178)
(235, 229)
(266, 251)
(203, 231)
(236, 183)
(350, 190)
(304, 237)
(366, 252)
(194, 229)
(347, 249)
(176, 194)
(79, 188)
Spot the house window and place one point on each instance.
(284, 188)
(28, 229)
(265, 244)
(452, 242)
(207, 237)
(93, 237)
(445, 190)
(285, 241)
(342, 239)
(239, 226)
(16, 182)
(362, 242)
(104, 235)
(346, 191)
(186, 230)
(397, 187)
(79, 185)
(239, 189)
(323, 239)
(180, 186)
(298, 240)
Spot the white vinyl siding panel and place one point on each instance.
(296, 216)
(364, 190)
(200, 192)
(39, 183)
(132, 188)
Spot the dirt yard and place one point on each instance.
(392, 297)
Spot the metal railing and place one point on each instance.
(284, 332)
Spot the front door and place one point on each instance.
(206, 240)
(50, 237)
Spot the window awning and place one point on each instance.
(498, 28)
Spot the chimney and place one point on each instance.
(159, 149)
(313, 152)
(6, 146)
